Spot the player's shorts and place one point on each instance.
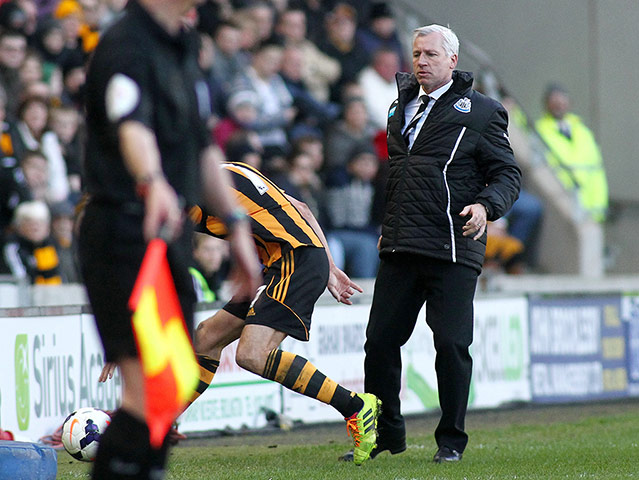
(111, 250)
(291, 287)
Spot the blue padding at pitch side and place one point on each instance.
(27, 461)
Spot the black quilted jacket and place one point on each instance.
(461, 156)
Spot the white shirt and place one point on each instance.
(413, 105)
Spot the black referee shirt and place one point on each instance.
(140, 72)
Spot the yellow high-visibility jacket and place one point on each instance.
(581, 156)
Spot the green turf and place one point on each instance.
(597, 447)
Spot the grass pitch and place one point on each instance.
(591, 441)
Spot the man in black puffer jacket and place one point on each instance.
(451, 170)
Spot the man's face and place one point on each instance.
(12, 51)
(432, 66)
(558, 104)
(293, 25)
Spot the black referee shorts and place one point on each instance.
(291, 287)
(111, 249)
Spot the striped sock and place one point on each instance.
(298, 374)
(208, 367)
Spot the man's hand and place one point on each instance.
(162, 211)
(107, 372)
(476, 224)
(341, 286)
(246, 274)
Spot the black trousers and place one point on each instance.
(404, 282)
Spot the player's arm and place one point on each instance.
(339, 284)
(246, 275)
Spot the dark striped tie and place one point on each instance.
(418, 114)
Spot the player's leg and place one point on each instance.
(284, 308)
(211, 337)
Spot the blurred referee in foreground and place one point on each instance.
(148, 150)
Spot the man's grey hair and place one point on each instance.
(450, 42)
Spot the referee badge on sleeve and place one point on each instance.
(122, 96)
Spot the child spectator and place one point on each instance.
(209, 269)
(30, 253)
(242, 115)
(62, 215)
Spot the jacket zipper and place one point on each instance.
(453, 243)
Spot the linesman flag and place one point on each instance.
(170, 370)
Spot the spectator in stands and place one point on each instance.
(341, 44)
(230, 60)
(73, 80)
(26, 182)
(8, 135)
(381, 32)
(275, 110)
(573, 152)
(13, 49)
(301, 181)
(89, 31)
(311, 143)
(33, 135)
(318, 70)
(30, 253)
(242, 113)
(69, 13)
(379, 86)
(248, 29)
(503, 251)
(311, 113)
(49, 42)
(263, 14)
(244, 146)
(65, 123)
(209, 269)
(523, 223)
(351, 231)
(62, 219)
(353, 130)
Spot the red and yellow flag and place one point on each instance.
(170, 370)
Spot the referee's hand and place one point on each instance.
(161, 210)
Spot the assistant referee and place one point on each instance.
(147, 150)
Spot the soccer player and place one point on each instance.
(297, 268)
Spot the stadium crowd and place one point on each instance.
(300, 90)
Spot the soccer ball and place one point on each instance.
(81, 432)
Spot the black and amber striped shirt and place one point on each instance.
(276, 224)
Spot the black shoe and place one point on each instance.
(394, 449)
(445, 454)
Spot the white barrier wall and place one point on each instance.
(51, 365)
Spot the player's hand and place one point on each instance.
(246, 274)
(476, 224)
(162, 210)
(341, 286)
(107, 372)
